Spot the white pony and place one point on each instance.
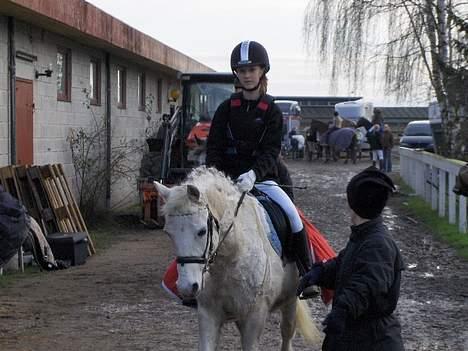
(227, 263)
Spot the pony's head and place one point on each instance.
(191, 225)
(186, 223)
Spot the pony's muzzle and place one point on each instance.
(188, 289)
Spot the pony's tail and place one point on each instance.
(306, 325)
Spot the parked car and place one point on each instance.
(418, 135)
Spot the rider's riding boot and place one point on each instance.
(303, 256)
(301, 250)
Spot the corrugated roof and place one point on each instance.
(405, 112)
(317, 112)
(321, 112)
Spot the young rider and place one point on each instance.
(245, 140)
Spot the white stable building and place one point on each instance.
(64, 64)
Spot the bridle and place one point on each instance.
(210, 252)
(205, 258)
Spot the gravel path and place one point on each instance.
(114, 302)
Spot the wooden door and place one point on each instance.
(24, 122)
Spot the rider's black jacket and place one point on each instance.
(366, 277)
(241, 139)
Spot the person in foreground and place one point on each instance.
(365, 275)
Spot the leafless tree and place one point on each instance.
(416, 44)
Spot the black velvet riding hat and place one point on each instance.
(368, 192)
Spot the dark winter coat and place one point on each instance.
(375, 140)
(366, 277)
(14, 224)
(387, 140)
(241, 139)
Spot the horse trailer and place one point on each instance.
(353, 110)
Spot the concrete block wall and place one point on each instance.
(4, 126)
(54, 120)
(129, 125)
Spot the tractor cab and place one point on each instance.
(186, 131)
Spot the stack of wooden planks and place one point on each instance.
(47, 196)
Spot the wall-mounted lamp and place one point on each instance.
(47, 73)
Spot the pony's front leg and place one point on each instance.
(251, 329)
(209, 327)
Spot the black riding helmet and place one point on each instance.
(249, 53)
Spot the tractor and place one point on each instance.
(180, 144)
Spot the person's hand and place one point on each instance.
(335, 322)
(310, 278)
(246, 181)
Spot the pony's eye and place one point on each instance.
(202, 232)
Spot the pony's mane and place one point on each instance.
(216, 189)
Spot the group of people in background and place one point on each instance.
(380, 139)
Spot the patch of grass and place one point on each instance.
(104, 232)
(405, 189)
(440, 227)
(109, 227)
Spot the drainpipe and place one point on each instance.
(12, 87)
(108, 132)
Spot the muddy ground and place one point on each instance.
(115, 302)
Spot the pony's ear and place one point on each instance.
(162, 190)
(193, 193)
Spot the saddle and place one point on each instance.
(278, 219)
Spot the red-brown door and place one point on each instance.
(24, 121)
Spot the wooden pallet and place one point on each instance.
(63, 202)
(46, 194)
(36, 186)
(57, 200)
(9, 182)
(26, 196)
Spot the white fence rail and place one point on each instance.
(432, 177)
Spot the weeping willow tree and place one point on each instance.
(415, 44)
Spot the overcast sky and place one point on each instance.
(208, 30)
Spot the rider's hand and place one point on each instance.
(246, 181)
(310, 278)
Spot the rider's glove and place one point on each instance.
(246, 181)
